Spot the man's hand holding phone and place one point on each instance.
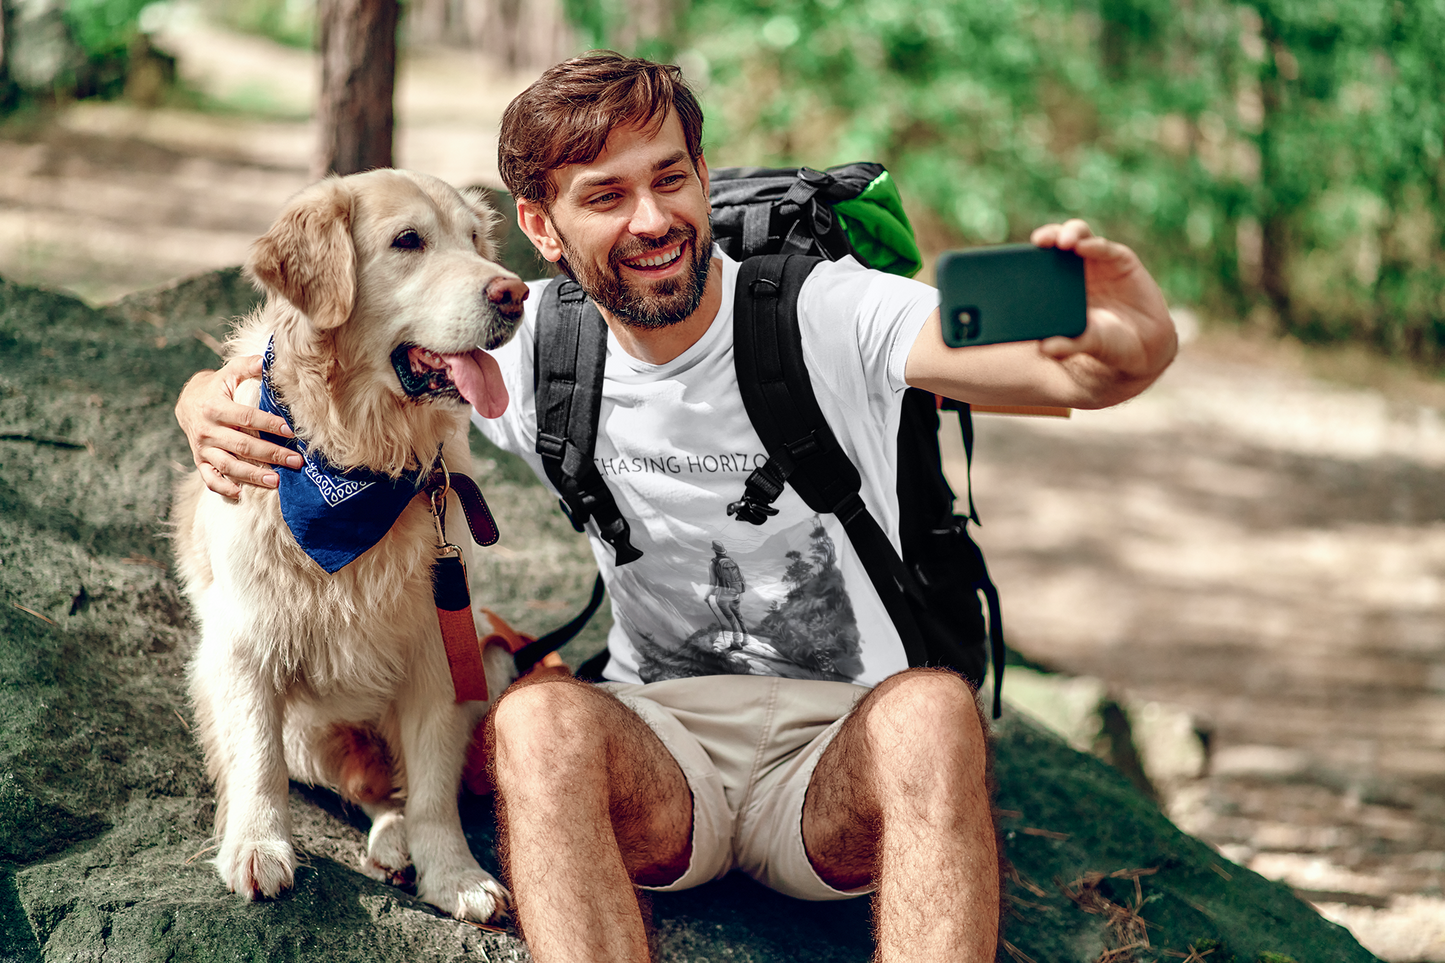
(1129, 331)
(1083, 325)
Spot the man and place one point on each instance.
(668, 776)
(726, 591)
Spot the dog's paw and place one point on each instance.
(387, 857)
(387, 872)
(257, 868)
(471, 895)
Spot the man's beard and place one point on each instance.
(662, 304)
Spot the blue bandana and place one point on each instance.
(334, 515)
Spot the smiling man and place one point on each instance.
(810, 755)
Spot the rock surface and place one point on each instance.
(104, 808)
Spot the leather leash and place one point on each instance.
(449, 581)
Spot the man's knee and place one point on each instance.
(925, 713)
(539, 720)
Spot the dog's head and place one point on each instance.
(395, 270)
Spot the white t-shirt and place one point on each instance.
(712, 594)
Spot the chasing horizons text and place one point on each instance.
(688, 464)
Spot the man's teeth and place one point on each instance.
(657, 260)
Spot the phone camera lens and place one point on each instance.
(965, 322)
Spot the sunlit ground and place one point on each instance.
(1259, 541)
(1265, 551)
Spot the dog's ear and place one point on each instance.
(479, 200)
(308, 256)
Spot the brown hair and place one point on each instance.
(565, 116)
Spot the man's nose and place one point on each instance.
(648, 218)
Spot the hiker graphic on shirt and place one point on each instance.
(790, 615)
(728, 586)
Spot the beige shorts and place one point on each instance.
(748, 746)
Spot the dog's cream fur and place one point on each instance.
(341, 680)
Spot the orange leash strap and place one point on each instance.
(454, 601)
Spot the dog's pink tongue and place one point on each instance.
(479, 378)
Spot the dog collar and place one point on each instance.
(335, 516)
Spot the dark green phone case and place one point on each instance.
(1014, 292)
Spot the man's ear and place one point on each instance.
(537, 225)
(307, 257)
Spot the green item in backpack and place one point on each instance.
(878, 228)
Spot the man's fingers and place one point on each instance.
(1072, 232)
(222, 412)
(1113, 258)
(236, 470)
(217, 482)
(1067, 235)
(231, 442)
(241, 369)
(221, 408)
(1045, 236)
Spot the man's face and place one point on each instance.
(632, 226)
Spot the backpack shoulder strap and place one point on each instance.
(776, 388)
(802, 449)
(570, 353)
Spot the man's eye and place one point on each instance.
(602, 200)
(674, 180)
(408, 240)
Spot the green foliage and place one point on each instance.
(104, 29)
(58, 50)
(1280, 159)
(289, 22)
(594, 20)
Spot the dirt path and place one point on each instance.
(1263, 550)
(1267, 552)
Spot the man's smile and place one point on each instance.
(656, 260)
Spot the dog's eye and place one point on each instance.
(408, 240)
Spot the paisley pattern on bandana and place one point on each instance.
(335, 516)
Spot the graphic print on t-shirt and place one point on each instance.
(779, 608)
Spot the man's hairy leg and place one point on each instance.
(589, 801)
(902, 797)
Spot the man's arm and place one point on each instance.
(221, 431)
(1128, 342)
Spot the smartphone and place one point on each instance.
(1014, 292)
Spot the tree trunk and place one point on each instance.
(358, 78)
(1280, 201)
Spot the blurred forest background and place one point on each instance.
(1280, 163)
(1254, 549)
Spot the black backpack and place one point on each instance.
(776, 222)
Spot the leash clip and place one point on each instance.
(437, 494)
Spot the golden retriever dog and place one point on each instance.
(381, 287)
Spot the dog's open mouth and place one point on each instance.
(473, 376)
